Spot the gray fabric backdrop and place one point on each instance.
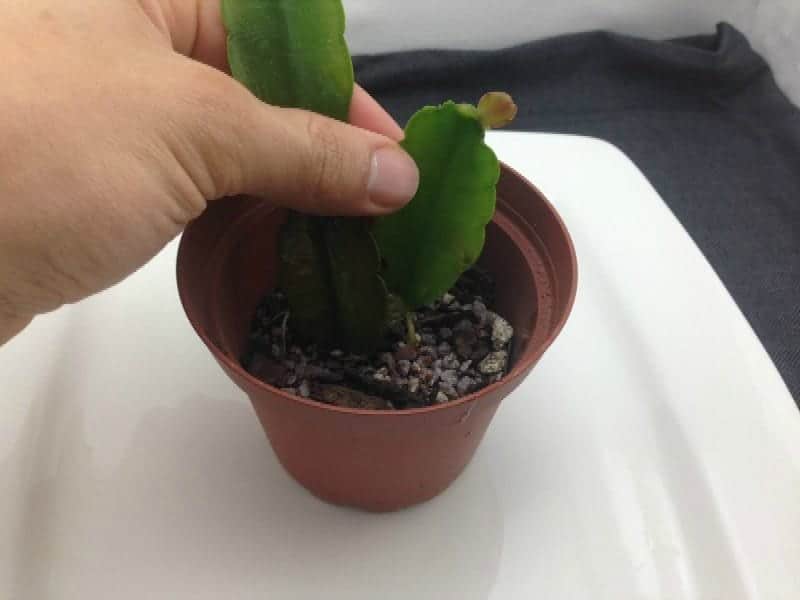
(702, 117)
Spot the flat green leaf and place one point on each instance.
(362, 300)
(428, 244)
(291, 53)
(330, 271)
(305, 278)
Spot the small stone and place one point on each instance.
(441, 398)
(480, 311)
(323, 375)
(403, 367)
(448, 299)
(463, 325)
(289, 390)
(465, 366)
(304, 390)
(465, 385)
(467, 307)
(445, 333)
(502, 332)
(449, 377)
(267, 369)
(494, 362)
(449, 391)
(388, 359)
(413, 384)
(428, 339)
(382, 374)
(465, 342)
(491, 317)
(426, 360)
(291, 380)
(336, 353)
(451, 362)
(276, 351)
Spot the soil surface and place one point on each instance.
(462, 346)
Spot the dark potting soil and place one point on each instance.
(463, 346)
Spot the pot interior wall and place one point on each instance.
(517, 291)
(245, 267)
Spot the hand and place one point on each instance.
(118, 125)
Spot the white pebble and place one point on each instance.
(502, 332)
(450, 377)
(495, 362)
(451, 362)
(464, 385)
(304, 389)
(479, 310)
(449, 391)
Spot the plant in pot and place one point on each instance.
(375, 352)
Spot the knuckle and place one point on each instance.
(213, 125)
(327, 159)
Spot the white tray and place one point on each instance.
(654, 453)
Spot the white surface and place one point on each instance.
(653, 454)
(773, 26)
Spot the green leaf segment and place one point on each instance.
(293, 53)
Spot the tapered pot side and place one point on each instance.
(376, 460)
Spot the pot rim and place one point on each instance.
(519, 369)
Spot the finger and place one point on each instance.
(194, 27)
(365, 112)
(292, 157)
(210, 44)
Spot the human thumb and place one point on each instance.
(299, 159)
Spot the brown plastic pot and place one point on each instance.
(379, 461)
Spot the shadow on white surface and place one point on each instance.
(199, 507)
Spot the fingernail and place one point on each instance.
(393, 178)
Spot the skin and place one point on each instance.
(120, 124)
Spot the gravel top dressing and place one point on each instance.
(462, 346)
